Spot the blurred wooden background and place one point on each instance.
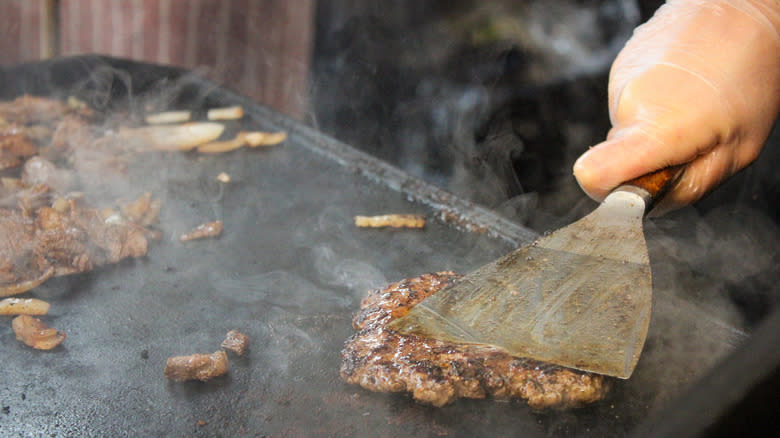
(260, 48)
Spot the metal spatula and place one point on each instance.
(579, 297)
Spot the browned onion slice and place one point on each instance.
(35, 333)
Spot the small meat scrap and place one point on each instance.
(236, 342)
(203, 367)
(35, 333)
(23, 306)
(209, 229)
(391, 220)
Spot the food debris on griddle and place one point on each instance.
(202, 231)
(223, 177)
(236, 342)
(35, 333)
(391, 221)
(437, 372)
(203, 367)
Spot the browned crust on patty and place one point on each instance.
(438, 372)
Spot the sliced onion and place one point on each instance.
(227, 113)
(168, 117)
(175, 137)
(23, 306)
(251, 139)
(24, 286)
(254, 139)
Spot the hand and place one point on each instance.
(699, 83)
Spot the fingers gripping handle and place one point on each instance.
(653, 186)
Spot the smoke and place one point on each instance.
(490, 100)
(494, 102)
(497, 123)
(355, 276)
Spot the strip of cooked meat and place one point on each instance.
(68, 239)
(201, 367)
(438, 372)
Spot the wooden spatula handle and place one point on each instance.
(658, 182)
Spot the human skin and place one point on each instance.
(699, 85)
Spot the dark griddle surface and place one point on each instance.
(289, 271)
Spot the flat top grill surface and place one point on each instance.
(289, 271)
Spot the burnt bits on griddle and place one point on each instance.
(236, 342)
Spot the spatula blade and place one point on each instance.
(579, 297)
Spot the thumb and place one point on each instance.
(627, 153)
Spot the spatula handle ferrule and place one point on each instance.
(654, 185)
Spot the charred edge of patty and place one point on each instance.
(437, 372)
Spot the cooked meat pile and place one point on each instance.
(48, 149)
(201, 367)
(62, 239)
(437, 372)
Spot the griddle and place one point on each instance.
(289, 271)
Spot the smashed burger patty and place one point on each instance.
(438, 372)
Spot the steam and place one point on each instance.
(580, 40)
(502, 122)
(355, 276)
(451, 130)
